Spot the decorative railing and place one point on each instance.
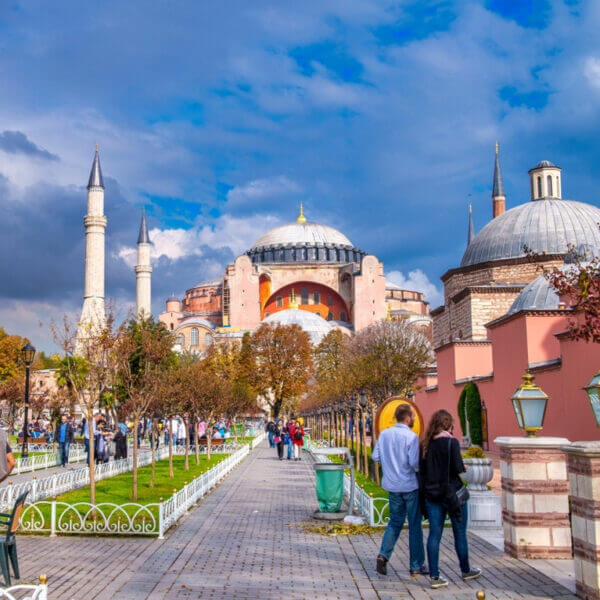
(46, 460)
(374, 510)
(38, 592)
(257, 440)
(56, 517)
(40, 447)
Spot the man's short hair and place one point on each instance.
(402, 412)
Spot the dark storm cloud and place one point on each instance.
(16, 142)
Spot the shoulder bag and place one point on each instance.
(455, 498)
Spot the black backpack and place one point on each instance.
(297, 435)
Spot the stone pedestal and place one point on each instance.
(584, 480)
(535, 497)
(484, 505)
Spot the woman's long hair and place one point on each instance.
(441, 420)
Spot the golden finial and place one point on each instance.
(496, 148)
(301, 218)
(293, 303)
(43, 579)
(97, 147)
(480, 596)
(389, 312)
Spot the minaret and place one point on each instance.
(471, 232)
(92, 314)
(143, 273)
(498, 197)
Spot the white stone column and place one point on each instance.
(583, 463)
(143, 281)
(535, 497)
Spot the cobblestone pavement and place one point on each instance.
(244, 542)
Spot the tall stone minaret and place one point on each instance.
(93, 314)
(143, 271)
(498, 196)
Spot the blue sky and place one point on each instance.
(221, 116)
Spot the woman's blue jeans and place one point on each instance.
(437, 515)
(403, 505)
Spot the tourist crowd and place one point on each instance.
(289, 435)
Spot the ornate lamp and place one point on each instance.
(529, 403)
(28, 354)
(592, 390)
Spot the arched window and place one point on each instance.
(539, 184)
(208, 339)
(318, 313)
(194, 337)
(317, 298)
(304, 296)
(279, 301)
(180, 340)
(342, 316)
(330, 316)
(171, 326)
(329, 301)
(549, 180)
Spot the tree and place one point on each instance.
(142, 350)
(87, 370)
(11, 361)
(469, 413)
(283, 355)
(12, 394)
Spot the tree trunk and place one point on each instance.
(363, 441)
(357, 437)
(153, 442)
(196, 441)
(187, 445)
(134, 473)
(373, 443)
(171, 473)
(91, 464)
(208, 441)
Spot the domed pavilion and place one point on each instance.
(510, 251)
(301, 272)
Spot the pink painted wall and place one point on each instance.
(369, 294)
(516, 343)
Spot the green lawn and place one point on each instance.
(117, 490)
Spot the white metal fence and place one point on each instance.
(46, 460)
(131, 518)
(38, 592)
(257, 440)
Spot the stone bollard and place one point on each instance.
(535, 497)
(583, 461)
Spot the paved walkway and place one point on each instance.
(244, 541)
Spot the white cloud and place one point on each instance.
(259, 189)
(592, 71)
(417, 281)
(237, 234)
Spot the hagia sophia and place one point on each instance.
(500, 316)
(305, 273)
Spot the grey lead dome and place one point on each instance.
(548, 225)
(302, 233)
(537, 295)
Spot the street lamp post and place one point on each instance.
(28, 354)
(592, 390)
(529, 403)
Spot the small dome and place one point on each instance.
(302, 233)
(172, 299)
(544, 163)
(316, 327)
(546, 225)
(537, 295)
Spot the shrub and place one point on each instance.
(469, 398)
(474, 452)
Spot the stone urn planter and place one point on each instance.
(479, 473)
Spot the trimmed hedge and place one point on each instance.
(470, 398)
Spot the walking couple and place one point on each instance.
(423, 481)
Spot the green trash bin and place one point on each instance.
(330, 486)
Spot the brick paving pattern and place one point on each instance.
(243, 541)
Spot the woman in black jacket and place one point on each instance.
(441, 466)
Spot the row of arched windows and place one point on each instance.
(194, 338)
(552, 191)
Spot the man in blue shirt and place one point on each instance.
(397, 450)
(64, 436)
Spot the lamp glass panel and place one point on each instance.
(533, 411)
(592, 393)
(517, 409)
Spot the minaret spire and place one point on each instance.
(498, 196)
(301, 218)
(93, 314)
(471, 232)
(143, 272)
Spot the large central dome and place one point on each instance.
(303, 242)
(548, 225)
(302, 233)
